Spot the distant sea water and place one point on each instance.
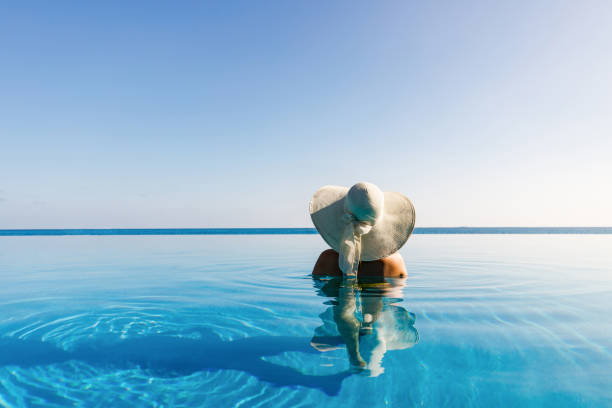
(297, 231)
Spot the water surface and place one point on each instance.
(236, 320)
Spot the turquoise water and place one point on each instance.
(236, 320)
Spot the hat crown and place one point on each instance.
(365, 201)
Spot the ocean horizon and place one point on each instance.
(293, 231)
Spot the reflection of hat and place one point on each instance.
(394, 330)
(361, 223)
(394, 327)
(399, 328)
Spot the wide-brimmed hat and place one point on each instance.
(382, 222)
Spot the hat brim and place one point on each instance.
(385, 238)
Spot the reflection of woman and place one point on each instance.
(364, 318)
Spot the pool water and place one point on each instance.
(235, 320)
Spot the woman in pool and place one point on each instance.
(364, 227)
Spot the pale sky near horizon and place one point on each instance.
(231, 114)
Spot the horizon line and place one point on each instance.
(291, 231)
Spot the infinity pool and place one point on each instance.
(234, 320)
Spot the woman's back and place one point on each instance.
(389, 267)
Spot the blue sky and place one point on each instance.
(231, 114)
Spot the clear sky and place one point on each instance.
(231, 114)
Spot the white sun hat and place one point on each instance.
(361, 223)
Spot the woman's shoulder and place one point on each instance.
(327, 264)
(391, 266)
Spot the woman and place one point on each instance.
(364, 227)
